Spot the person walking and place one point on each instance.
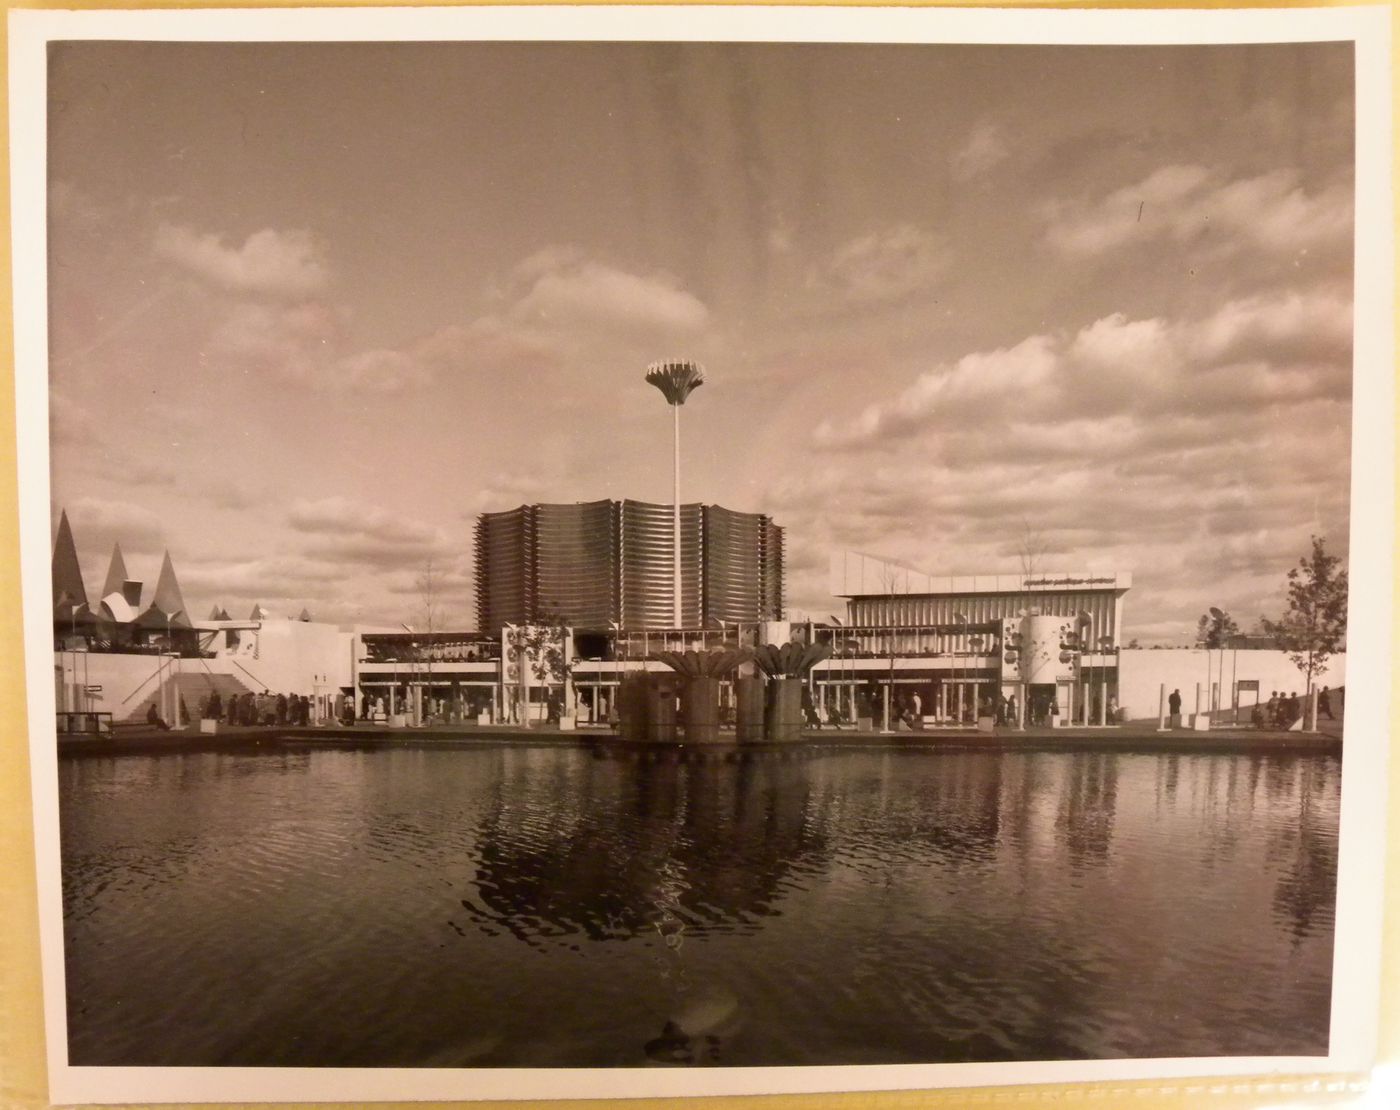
(1174, 707)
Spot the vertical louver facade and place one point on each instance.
(575, 549)
(743, 566)
(505, 558)
(594, 563)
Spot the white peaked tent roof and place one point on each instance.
(115, 606)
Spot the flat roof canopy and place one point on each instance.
(854, 574)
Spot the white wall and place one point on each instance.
(1142, 671)
(126, 680)
(295, 657)
(284, 657)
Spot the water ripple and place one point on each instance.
(514, 907)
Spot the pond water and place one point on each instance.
(547, 906)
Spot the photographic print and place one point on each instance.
(642, 556)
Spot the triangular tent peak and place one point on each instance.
(168, 599)
(67, 574)
(116, 573)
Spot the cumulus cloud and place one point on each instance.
(269, 262)
(506, 490)
(882, 266)
(558, 286)
(282, 576)
(340, 516)
(223, 492)
(1313, 327)
(382, 371)
(956, 387)
(1188, 203)
(289, 341)
(1288, 348)
(304, 342)
(985, 149)
(556, 298)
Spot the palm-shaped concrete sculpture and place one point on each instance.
(792, 660)
(700, 673)
(787, 668)
(703, 664)
(676, 379)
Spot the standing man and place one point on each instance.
(1174, 706)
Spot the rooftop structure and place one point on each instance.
(883, 592)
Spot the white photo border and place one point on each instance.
(1360, 880)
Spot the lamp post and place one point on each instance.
(1217, 634)
(174, 666)
(1085, 645)
(1105, 645)
(961, 620)
(676, 379)
(975, 642)
(412, 671)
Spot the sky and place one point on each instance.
(313, 307)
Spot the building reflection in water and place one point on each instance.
(652, 846)
(1304, 900)
(1088, 802)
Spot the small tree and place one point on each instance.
(1314, 626)
(544, 645)
(429, 586)
(1214, 632)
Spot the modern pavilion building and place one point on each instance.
(597, 564)
(963, 642)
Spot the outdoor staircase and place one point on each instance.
(190, 687)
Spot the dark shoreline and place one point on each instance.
(276, 740)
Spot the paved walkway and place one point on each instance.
(1136, 736)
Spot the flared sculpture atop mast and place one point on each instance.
(676, 378)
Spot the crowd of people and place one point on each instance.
(1282, 711)
(249, 709)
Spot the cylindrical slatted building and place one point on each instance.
(595, 563)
